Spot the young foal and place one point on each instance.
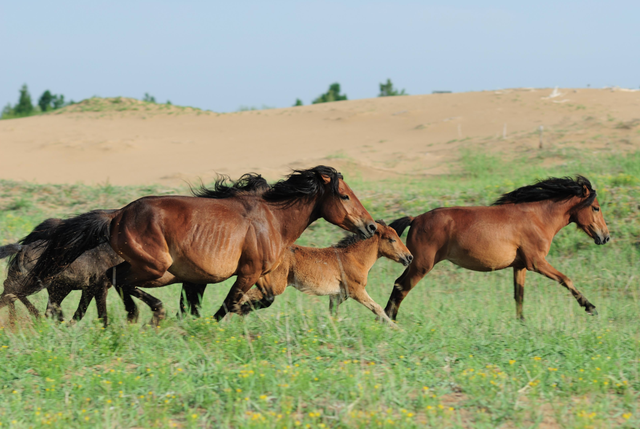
(340, 271)
(515, 232)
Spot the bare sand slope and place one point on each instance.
(379, 137)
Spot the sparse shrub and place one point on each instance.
(149, 98)
(298, 103)
(24, 106)
(333, 94)
(387, 90)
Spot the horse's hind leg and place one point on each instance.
(518, 289)
(8, 299)
(32, 309)
(191, 298)
(543, 267)
(154, 303)
(407, 281)
(101, 302)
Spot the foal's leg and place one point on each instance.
(85, 300)
(7, 299)
(101, 302)
(32, 308)
(547, 270)
(518, 289)
(334, 302)
(191, 298)
(361, 295)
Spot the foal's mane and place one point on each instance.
(350, 239)
(224, 187)
(553, 188)
(302, 184)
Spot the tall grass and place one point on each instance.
(460, 358)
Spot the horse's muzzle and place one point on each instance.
(406, 260)
(600, 241)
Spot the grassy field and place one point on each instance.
(460, 359)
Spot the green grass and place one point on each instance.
(460, 358)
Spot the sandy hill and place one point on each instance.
(128, 141)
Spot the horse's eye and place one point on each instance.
(596, 209)
(392, 240)
(344, 197)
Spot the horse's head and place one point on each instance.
(588, 216)
(390, 246)
(341, 207)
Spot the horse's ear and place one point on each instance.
(326, 179)
(585, 191)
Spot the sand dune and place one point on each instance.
(379, 137)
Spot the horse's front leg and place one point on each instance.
(57, 294)
(518, 289)
(240, 287)
(547, 270)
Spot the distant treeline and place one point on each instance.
(24, 107)
(48, 101)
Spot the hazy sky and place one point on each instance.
(223, 55)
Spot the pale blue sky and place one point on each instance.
(221, 55)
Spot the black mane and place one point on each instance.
(224, 187)
(350, 239)
(553, 188)
(303, 184)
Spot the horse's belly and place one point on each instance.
(479, 259)
(316, 286)
(204, 271)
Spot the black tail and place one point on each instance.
(69, 240)
(42, 231)
(9, 250)
(401, 224)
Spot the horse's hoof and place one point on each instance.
(592, 311)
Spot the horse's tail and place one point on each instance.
(42, 232)
(9, 250)
(70, 239)
(401, 224)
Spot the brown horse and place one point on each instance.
(515, 232)
(340, 271)
(207, 240)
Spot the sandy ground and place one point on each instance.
(378, 138)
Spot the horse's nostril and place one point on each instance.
(372, 227)
(409, 258)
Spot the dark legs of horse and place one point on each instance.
(241, 286)
(403, 285)
(8, 299)
(57, 294)
(255, 299)
(99, 292)
(191, 298)
(545, 268)
(124, 277)
(519, 275)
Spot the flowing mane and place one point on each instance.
(350, 239)
(553, 188)
(224, 187)
(302, 184)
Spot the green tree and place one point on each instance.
(149, 98)
(45, 100)
(24, 106)
(332, 95)
(298, 103)
(387, 90)
(58, 101)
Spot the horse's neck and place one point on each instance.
(558, 214)
(364, 252)
(294, 219)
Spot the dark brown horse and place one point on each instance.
(207, 240)
(515, 232)
(340, 271)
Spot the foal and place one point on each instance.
(515, 232)
(340, 271)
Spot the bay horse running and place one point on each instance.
(340, 271)
(208, 240)
(516, 231)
